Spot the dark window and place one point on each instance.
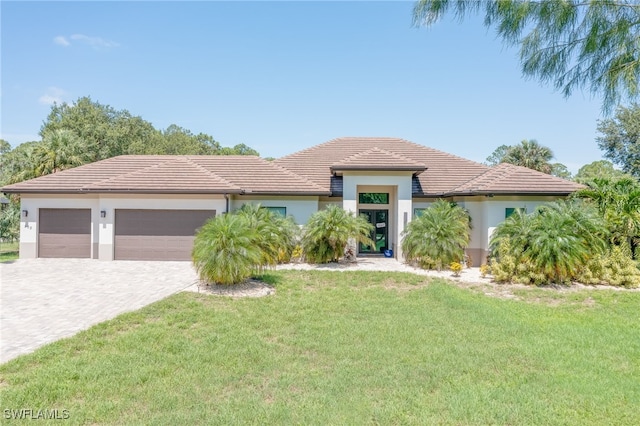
(511, 210)
(417, 212)
(282, 211)
(373, 198)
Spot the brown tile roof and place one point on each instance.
(309, 172)
(510, 179)
(172, 174)
(377, 159)
(444, 172)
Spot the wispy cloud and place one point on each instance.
(61, 41)
(52, 95)
(94, 42)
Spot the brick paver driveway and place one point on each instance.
(43, 300)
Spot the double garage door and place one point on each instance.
(157, 234)
(139, 234)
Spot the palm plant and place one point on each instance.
(563, 239)
(552, 244)
(618, 202)
(530, 154)
(59, 150)
(438, 237)
(276, 234)
(225, 250)
(329, 231)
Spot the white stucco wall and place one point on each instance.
(102, 229)
(29, 224)
(301, 208)
(398, 184)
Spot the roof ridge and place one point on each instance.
(189, 159)
(377, 149)
(118, 176)
(291, 173)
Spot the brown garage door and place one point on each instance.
(64, 233)
(157, 234)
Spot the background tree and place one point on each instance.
(618, 202)
(497, 155)
(530, 154)
(59, 150)
(620, 138)
(574, 44)
(438, 237)
(105, 131)
(4, 147)
(601, 169)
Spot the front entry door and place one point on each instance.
(380, 221)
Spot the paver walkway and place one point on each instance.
(43, 300)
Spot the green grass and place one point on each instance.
(347, 348)
(8, 251)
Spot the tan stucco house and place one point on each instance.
(148, 207)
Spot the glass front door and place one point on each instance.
(380, 221)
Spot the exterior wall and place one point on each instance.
(323, 202)
(487, 213)
(398, 184)
(102, 229)
(29, 224)
(301, 208)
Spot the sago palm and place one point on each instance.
(438, 237)
(329, 231)
(225, 250)
(276, 234)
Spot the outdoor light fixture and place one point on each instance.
(103, 213)
(25, 213)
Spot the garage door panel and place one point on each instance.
(64, 233)
(157, 234)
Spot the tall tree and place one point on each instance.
(105, 131)
(574, 44)
(530, 154)
(620, 139)
(497, 155)
(59, 150)
(601, 169)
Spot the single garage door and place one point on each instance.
(157, 234)
(64, 233)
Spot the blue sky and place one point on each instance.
(283, 76)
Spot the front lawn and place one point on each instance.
(347, 348)
(8, 251)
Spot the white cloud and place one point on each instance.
(61, 41)
(52, 95)
(95, 42)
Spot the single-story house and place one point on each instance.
(147, 207)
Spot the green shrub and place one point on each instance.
(276, 235)
(225, 250)
(329, 231)
(612, 268)
(551, 245)
(438, 237)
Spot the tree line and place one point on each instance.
(87, 131)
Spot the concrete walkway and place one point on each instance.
(43, 300)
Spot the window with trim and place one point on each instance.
(282, 211)
(417, 212)
(511, 210)
(373, 198)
